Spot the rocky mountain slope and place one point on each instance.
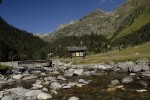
(128, 17)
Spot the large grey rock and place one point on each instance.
(144, 67)
(92, 73)
(143, 83)
(55, 85)
(101, 67)
(30, 77)
(18, 91)
(146, 73)
(69, 72)
(1, 76)
(37, 86)
(35, 72)
(17, 76)
(1, 94)
(78, 72)
(3, 81)
(83, 81)
(122, 66)
(33, 93)
(44, 95)
(86, 73)
(141, 90)
(50, 78)
(72, 84)
(7, 98)
(140, 66)
(136, 68)
(18, 97)
(127, 79)
(60, 77)
(73, 98)
(142, 61)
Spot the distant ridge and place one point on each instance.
(127, 17)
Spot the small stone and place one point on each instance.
(66, 87)
(111, 89)
(141, 90)
(115, 82)
(45, 89)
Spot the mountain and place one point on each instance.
(126, 18)
(16, 44)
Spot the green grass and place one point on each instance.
(138, 23)
(4, 67)
(132, 53)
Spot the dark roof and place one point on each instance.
(76, 48)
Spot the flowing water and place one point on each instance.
(97, 88)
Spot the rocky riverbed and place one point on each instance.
(122, 81)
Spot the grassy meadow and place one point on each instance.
(131, 53)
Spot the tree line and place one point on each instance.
(16, 44)
(95, 44)
(135, 38)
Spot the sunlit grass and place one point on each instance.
(138, 23)
(131, 53)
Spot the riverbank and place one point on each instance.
(64, 81)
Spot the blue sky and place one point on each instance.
(44, 16)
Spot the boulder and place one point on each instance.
(66, 87)
(44, 95)
(33, 93)
(142, 61)
(127, 79)
(7, 98)
(37, 86)
(73, 98)
(1, 76)
(143, 83)
(55, 72)
(18, 76)
(92, 73)
(86, 73)
(72, 84)
(45, 89)
(80, 85)
(35, 72)
(83, 81)
(50, 78)
(78, 72)
(122, 66)
(3, 81)
(136, 68)
(115, 82)
(144, 67)
(141, 90)
(69, 73)
(30, 77)
(146, 73)
(1, 94)
(55, 85)
(18, 91)
(101, 67)
(60, 77)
